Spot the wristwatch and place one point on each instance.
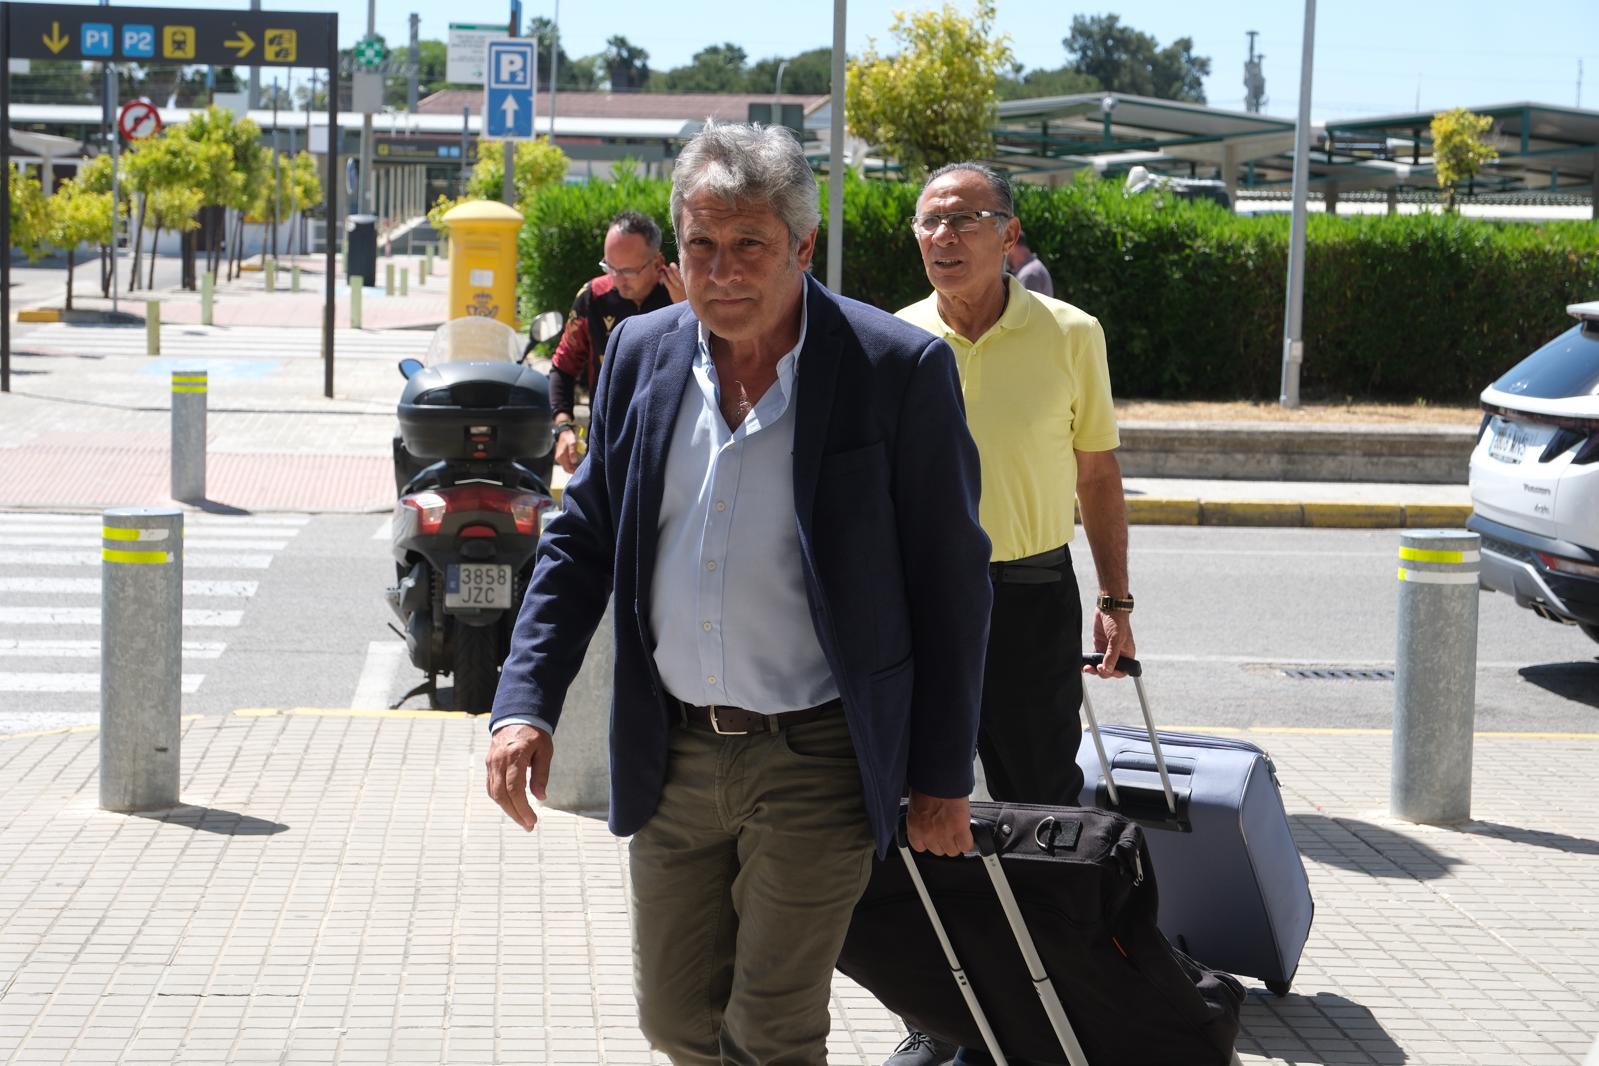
(1115, 603)
(561, 427)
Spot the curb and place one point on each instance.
(1155, 511)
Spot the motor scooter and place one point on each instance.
(472, 460)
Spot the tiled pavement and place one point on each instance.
(339, 889)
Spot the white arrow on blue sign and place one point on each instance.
(509, 81)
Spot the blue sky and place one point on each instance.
(1372, 56)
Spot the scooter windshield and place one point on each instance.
(474, 340)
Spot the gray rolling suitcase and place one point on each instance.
(1234, 894)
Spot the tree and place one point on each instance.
(1122, 59)
(78, 215)
(544, 31)
(538, 163)
(807, 74)
(935, 102)
(627, 64)
(95, 176)
(717, 69)
(1039, 83)
(30, 226)
(1458, 149)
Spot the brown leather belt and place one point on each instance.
(737, 722)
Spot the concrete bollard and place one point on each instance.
(294, 277)
(208, 295)
(141, 657)
(152, 327)
(1435, 679)
(388, 278)
(269, 271)
(357, 286)
(421, 272)
(580, 776)
(405, 279)
(188, 434)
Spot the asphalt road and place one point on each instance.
(293, 616)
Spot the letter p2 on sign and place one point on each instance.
(508, 91)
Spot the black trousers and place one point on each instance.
(1033, 687)
(1032, 697)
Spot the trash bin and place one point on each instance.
(361, 248)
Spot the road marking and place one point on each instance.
(191, 521)
(90, 586)
(191, 561)
(66, 540)
(1263, 552)
(383, 661)
(1332, 664)
(90, 616)
(386, 530)
(17, 682)
(90, 649)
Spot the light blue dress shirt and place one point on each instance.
(728, 606)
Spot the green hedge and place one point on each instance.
(1191, 296)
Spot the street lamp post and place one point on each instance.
(1293, 317)
(835, 158)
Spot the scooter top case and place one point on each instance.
(476, 410)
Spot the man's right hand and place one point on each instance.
(941, 826)
(519, 762)
(566, 449)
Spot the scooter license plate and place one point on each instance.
(486, 585)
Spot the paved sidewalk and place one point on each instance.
(338, 888)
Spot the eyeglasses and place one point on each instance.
(957, 221)
(624, 275)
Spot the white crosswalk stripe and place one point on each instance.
(197, 346)
(50, 588)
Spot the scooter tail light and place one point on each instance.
(1562, 565)
(430, 507)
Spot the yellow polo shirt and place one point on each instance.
(1037, 389)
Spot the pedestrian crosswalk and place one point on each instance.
(190, 342)
(50, 606)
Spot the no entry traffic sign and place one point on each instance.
(139, 120)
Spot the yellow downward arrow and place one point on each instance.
(241, 43)
(57, 40)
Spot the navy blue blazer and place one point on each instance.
(895, 564)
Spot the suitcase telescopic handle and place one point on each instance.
(1130, 667)
(1135, 670)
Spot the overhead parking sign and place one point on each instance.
(508, 95)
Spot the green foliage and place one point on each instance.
(1191, 297)
(934, 102)
(78, 214)
(1122, 59)
(716, 69)
(626, 63)
(1038, 83)
(807, 74)
(538, 163)
(30, 223)
(1458, 150)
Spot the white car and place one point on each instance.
(1535, 478)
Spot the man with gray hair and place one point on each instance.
(782, 495)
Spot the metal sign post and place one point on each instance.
(177, 36)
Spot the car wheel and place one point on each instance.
(1592, 631)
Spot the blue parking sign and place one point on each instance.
(99, 39)
(508, 94)
(138, 42)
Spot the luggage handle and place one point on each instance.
(988, 851)
(1134, 669)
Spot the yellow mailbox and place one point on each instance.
(483, 260)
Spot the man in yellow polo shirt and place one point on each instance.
(1038, 403)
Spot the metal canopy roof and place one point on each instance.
(1542, 147)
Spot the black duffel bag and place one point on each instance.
(1077, 973)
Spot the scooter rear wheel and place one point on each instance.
(475, 668)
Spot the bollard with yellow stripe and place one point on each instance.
(1435, 676)
(141, 646)
(189, 389)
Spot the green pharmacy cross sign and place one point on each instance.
(370, 53)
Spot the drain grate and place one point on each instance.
(1313, 673)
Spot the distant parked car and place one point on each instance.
(1535, 478)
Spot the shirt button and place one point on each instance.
(708, 627)
(711, 680)
(711, 565)
(721, 505)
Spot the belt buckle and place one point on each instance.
(716, 726)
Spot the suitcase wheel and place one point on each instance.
(1278, 988)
